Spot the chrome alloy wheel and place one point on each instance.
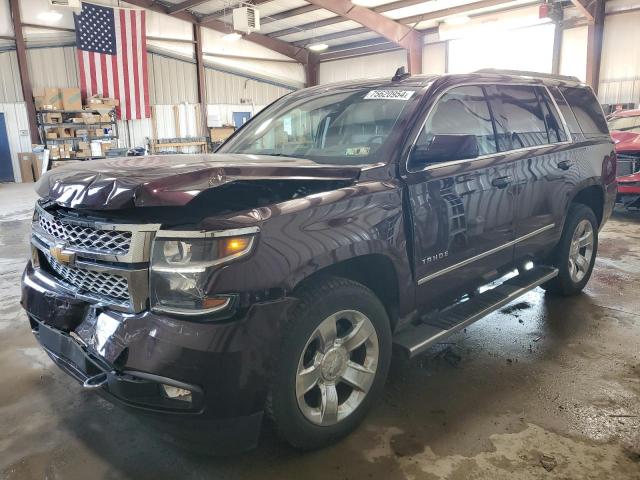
(337, 367)
(581, 250)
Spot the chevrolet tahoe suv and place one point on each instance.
(273, 279)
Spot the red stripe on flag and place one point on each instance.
(81, 73)
(123, 48)
(145, 75)
(136, 73)
(105, 78)
(92, 69)
(116, 81)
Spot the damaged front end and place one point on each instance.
(123, 288)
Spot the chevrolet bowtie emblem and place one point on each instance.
(61, 255)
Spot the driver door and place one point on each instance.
(462, 208)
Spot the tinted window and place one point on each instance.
(461, 111)
(587, 110)
(555, 128)
(567, 113)
(521, 115)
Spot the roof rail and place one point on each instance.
(551, 76)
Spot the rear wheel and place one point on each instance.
(333, 363)
(576, 252)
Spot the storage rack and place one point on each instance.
(90, 127)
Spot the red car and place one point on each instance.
(625, 131)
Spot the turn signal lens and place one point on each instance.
(232, 245)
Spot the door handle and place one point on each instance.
(564, 165)
(501, 182)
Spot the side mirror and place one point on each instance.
(445, 148)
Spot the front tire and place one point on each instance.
(575, 254)
(333, 363)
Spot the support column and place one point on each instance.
(200, 74)
(557, 44)
(594, 45)
(414, 55)
(312, 69)
(23, 67)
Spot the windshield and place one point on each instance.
(346, 126)
(629, 124)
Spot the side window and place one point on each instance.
(567, 113)
(587, 110)
(523, 117)
(551, 117)
(458, 127)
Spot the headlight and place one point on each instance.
(181, 270)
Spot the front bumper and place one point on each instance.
(226, 365)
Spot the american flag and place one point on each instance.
(112, 57)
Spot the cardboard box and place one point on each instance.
(66, 132)
(52, 99)
(52, 118)
(54, 152)
(51, 135)
(26, 167)
(90, 118)
(220, 134)
(82, 132)
(37, 165)
(83, 153)
(71, 99)
(83, 146)
(105, 118)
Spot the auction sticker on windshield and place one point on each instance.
(389, 95)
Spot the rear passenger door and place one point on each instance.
(460, 200)
(535, 138)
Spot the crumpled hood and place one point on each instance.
(626, 141)
(171, 180)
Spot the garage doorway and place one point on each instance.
(6, 168)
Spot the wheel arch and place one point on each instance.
(591, 195)
(374, 270)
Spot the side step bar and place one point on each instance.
(417, 339)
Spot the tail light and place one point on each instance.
(609, 168)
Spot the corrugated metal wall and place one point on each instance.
(620, 69)
(53, 67)
(171, 81)
(226, 88)
(10, 88)
(15, 116)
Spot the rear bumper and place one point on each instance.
(226, 366)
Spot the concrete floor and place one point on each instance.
(546, 382)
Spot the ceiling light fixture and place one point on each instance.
(318, 47)
(231, 37)
(49, 16)
(457, 20)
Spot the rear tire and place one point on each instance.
(575, 253)
(332, 364)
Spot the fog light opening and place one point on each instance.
(176, 393)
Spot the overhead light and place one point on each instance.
(457, 20)
(231, 37)
(49, 16)
(318, 47)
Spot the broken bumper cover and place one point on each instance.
(128, 358)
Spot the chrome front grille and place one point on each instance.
(86, 238)
(97, 261)
(100, 284)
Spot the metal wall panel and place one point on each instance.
(171, 81)
(226, 88)
(10, 88)
(53, 67)
(620, 69)
(15, 116)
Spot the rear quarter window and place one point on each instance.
(587, 110)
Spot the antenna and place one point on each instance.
(400, 74)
